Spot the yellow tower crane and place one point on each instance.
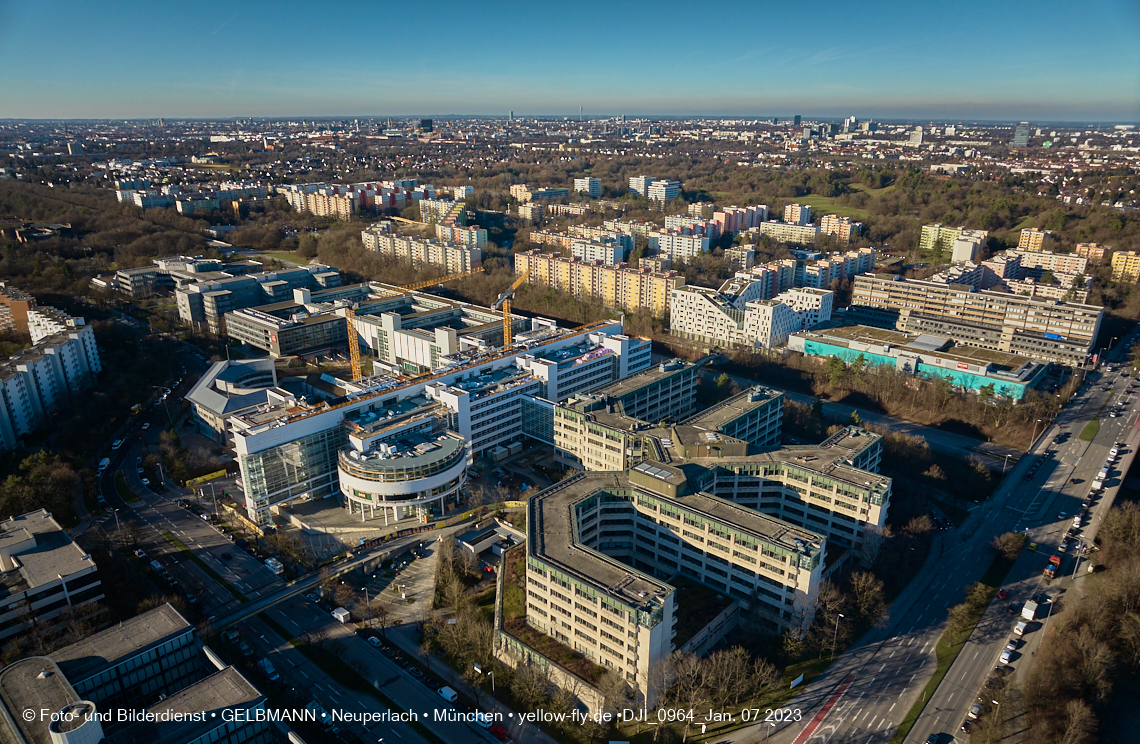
(504, 302)
(353, 343)
(442, 279)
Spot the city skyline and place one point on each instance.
(283, 61)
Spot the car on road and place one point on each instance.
(966, 727)
(1002, 594)
(1012, 645)
(975, 710)
(116, 444)
(933, 739)
(374, 641)
(312, 597)
(145, 426)
(1006, 656)
(1062, 515)
(499, 732)
(140, 553)
(146, 482)
(483, 720)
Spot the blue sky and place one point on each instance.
(1001, 59)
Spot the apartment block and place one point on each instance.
(609, 251)
(738, 219)
(640, 184)
(592, 187)
(693, 225)
(938, 239)
(678, 245)
(1035, 239)
(37, 381)
(603, 233)
(738, 314)
(663, 190)
(832, 267)
(1126, 266)
(466, 236)
(614, 286)
(1093, 252)
(525, 193)
(14, 306)
(784, 232)
(797, 214)
(842, 228)
(1036, 263)
(741, 257)
(531, 211)
(1049, 330)
(454, 258)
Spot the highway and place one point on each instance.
(865, 694)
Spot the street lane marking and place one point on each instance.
(832, 699)
(892, 707)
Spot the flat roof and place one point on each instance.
(734, 407)
(835, 333)
(54, 554)
(223, 690)
(88, 657)
(643, 379)
(35, 683)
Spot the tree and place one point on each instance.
(817, 409)
(854, 419)
(1080, 723)
(867, 595)
(873, 539)
(1009, 545)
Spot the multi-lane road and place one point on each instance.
(866, 693)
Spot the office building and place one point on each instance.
(797, 214)
(1126, 266)
(1020, 135)
(677, 244)
(783, 232)
(44, 573)
(796, 120)
(738, 314)
(453, 257)
(1042, 330)
(37, 381)
(1035, 239)
(608, 549)
(151, 665)
(663, 190)
(915, 138)
(841, 228)
(1093, 252)
(227, 389)
(614, 286)
(291, 448)
(965, 367)
(640, 184)
(205, 303)
(592, 187)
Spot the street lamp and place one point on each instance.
(1005, 463)
(835, 635)
(769, 733)
(479, 670)
(1033, 438)
(997, 718)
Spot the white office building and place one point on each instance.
(592, 187)
(663, 190)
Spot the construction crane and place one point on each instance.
(442, 279)
(353, 343)
(504, 302)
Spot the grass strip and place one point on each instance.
(125, 493)
(1091, 429)
(950, 645)
(205, 568)
(344, 675)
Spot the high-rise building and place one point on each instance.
(796, 120)
(663, 189)
(938, 239)
(1093, 252)
(1126, 266)
(640, 184)
(915, 137)
(426, 125)
(1021, 135)
(842, 228)
(797, 214)
(614, 286)
(592, 187)
(1035, 239)
(738, 314)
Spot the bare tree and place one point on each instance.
(873, 539)
(1080, 723)
(867, 594)
(1008, 545)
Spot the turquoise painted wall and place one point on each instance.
(960, 378)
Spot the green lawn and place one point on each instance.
(170, 538)
(1090, 431)
(831, 205)
(286, 256)
(125, 493)
(873, 192)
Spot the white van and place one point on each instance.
(1019, 629)
(448, 694)
(103, 465)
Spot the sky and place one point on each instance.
(1001, 60)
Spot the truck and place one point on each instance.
(1097, 484)
(267, 667)
(1051, 570)
(1029, 611)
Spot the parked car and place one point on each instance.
(116, 444)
